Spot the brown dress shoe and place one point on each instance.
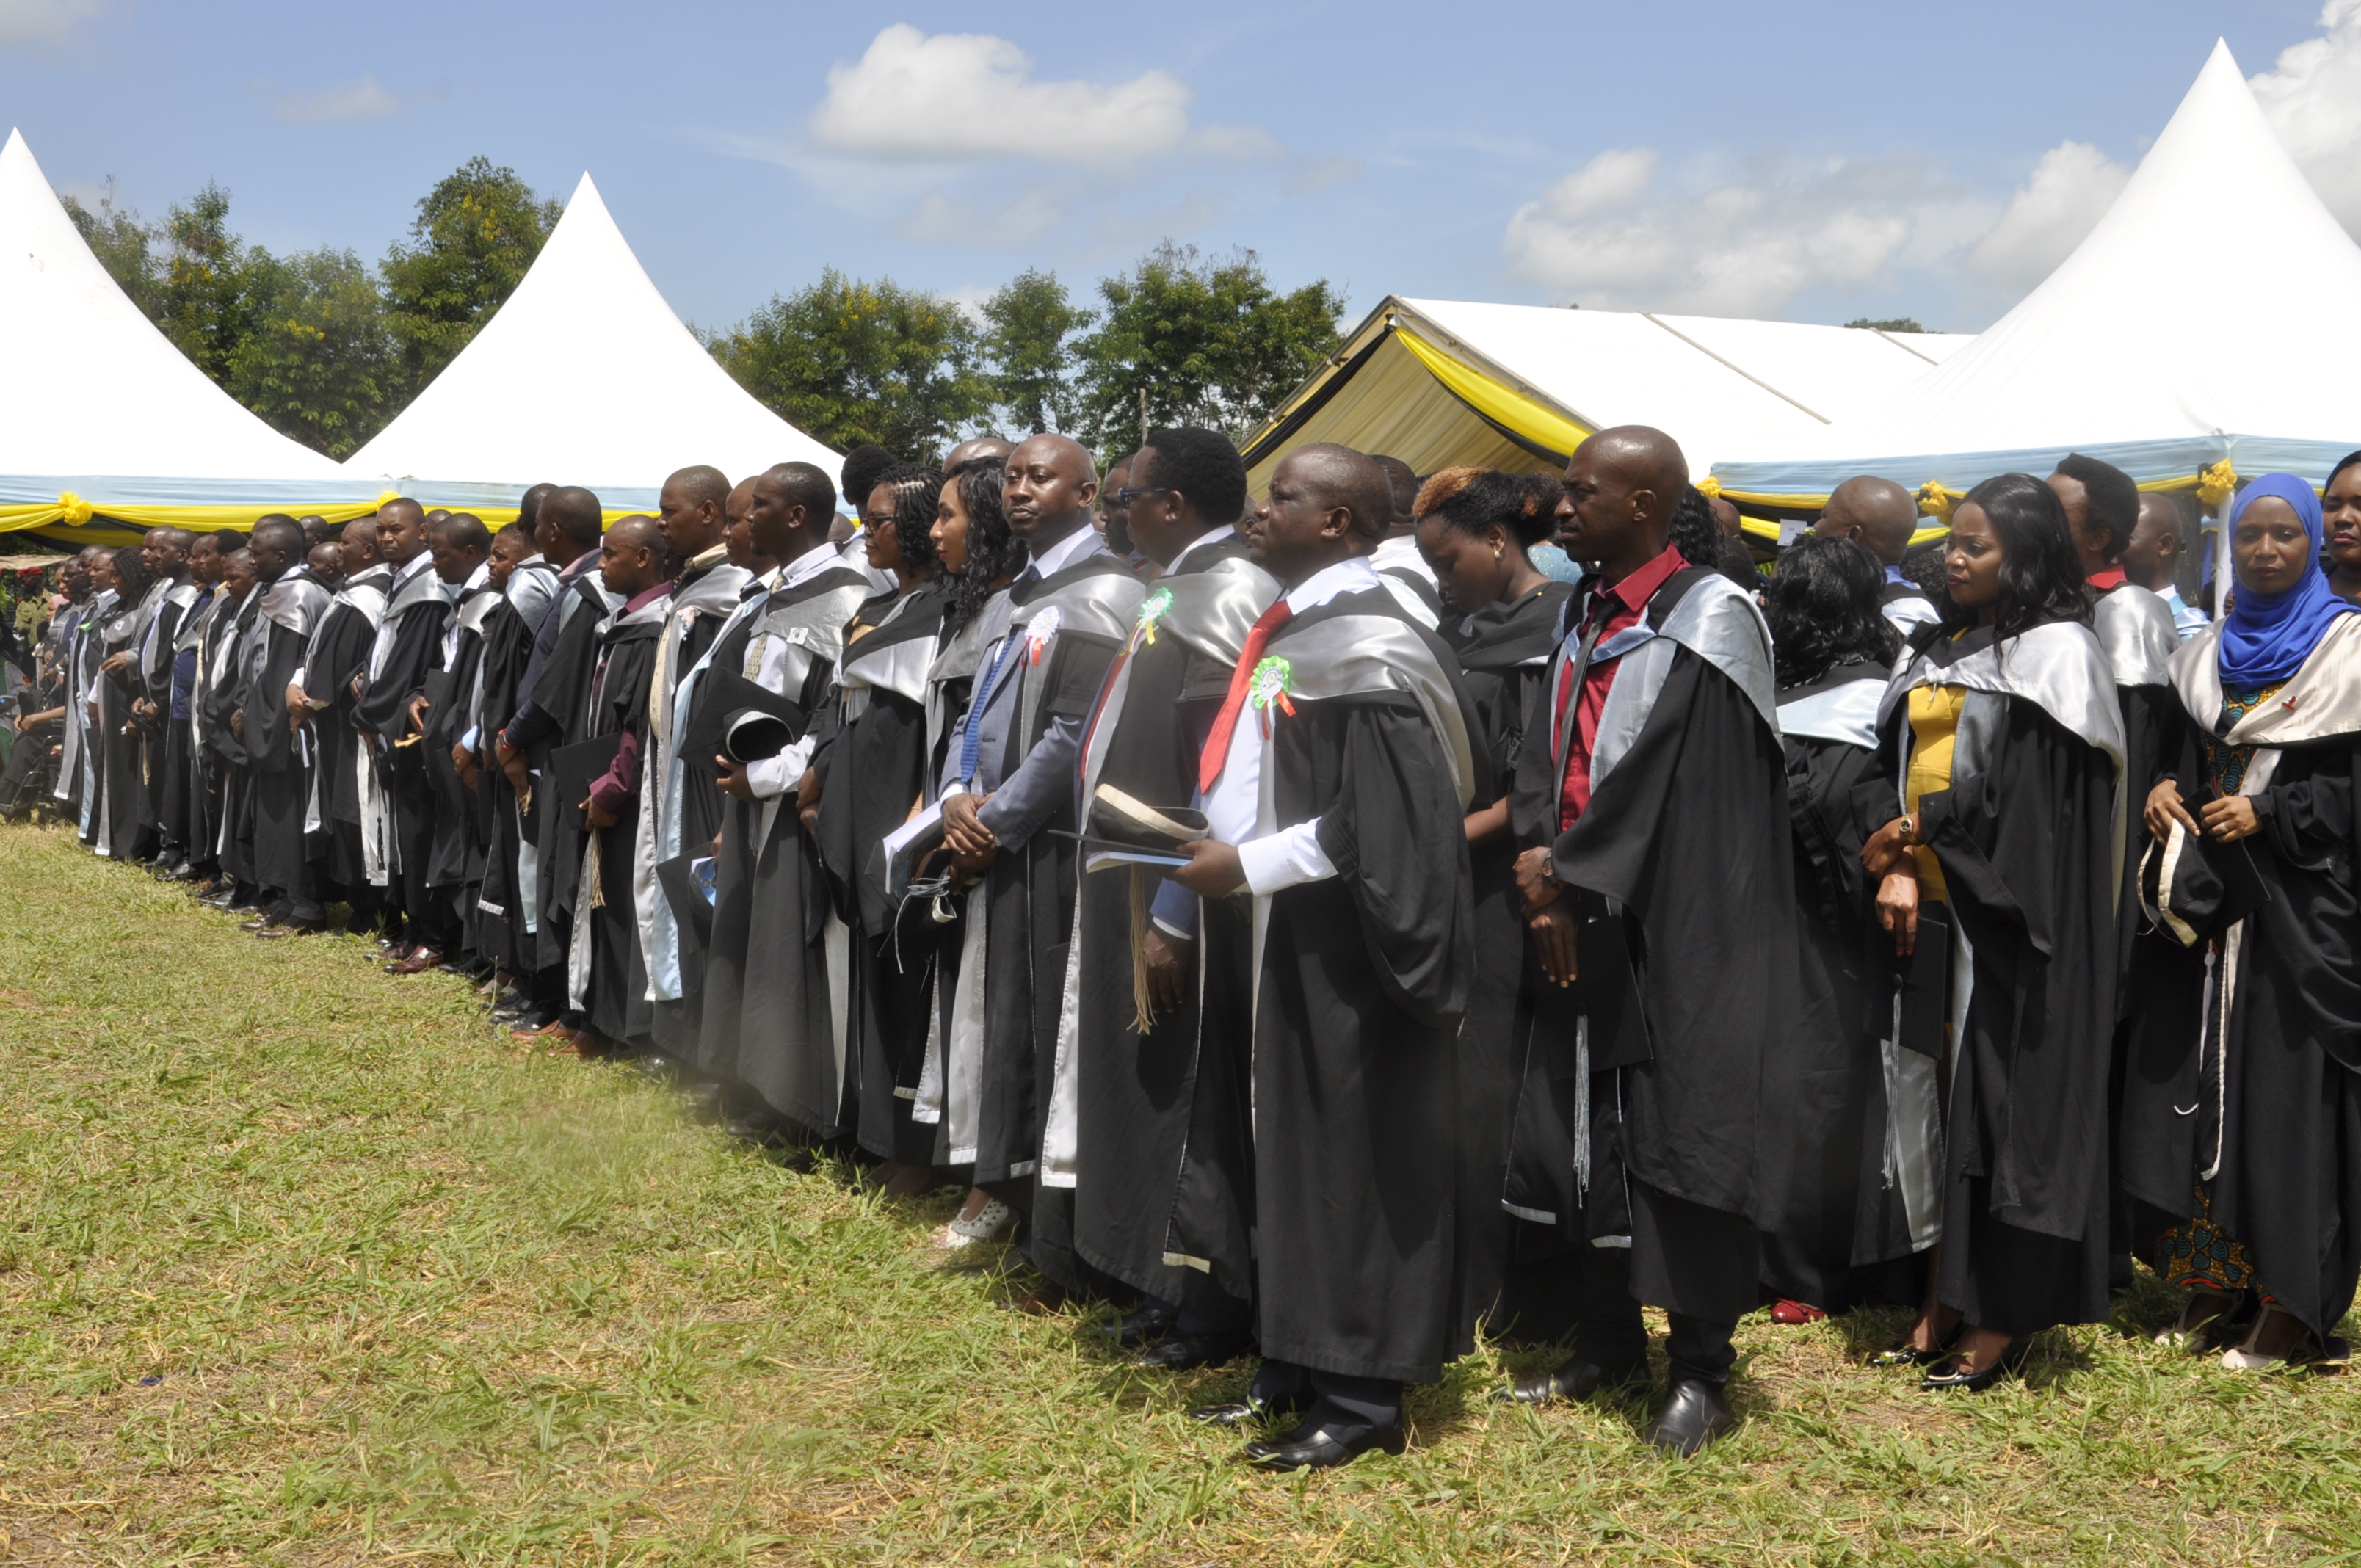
(420, 960)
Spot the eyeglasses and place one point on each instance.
(1127, 495)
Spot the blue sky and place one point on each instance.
(1808, 161)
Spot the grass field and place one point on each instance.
(300, 1264)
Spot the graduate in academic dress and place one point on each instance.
(1880, 516)
(2242, 1118)
(2005, 739)
(608, 974)
(770, 1021)
(1842, 1235)
(399, 807)
(125, 828)
(1500, 617)
(461, 547)
(340, 651)
(165, 554)
(675, 799)
(497, 930)
(867, 777)
(550, 693)
(226, 666)
(78, 581)
(182, 815)
(1338, 775)
(1049, 642)
(278, 748)
(209, 764)
(1148, 1120)
(1658, 818)
(980, 558)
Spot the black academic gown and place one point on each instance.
(126, 820)
(414, 622)
(211, 699)
(2268, 1097)
(163, 770)
(767, 1018)
(503, 931)
(225, 695)
(1651, 1127)
(562, 691)
(279, 752)
(1362, 984)
(608, 922)
(873, 760)
(457, 862)
(1162, 1159)
(340, 651)
(2025, 839)
(1841, 1235)
(1504, 659)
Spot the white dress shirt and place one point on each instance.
(766, 666)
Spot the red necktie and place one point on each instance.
(1217, 739)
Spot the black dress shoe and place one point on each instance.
(1950, 1375)
(1316, 1450)
(1238, 1412)
(760, 1131)
(1577, 1379)
(1903, 1354)
(257, 923)
(1145, 1325)
(1185, 1352)
(1695, 1414)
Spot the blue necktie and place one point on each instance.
(972, 740)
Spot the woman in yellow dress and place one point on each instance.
(2009, 746)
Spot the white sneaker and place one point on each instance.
(991, 1223)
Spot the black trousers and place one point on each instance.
(1702, 1265)
(1345, 1408)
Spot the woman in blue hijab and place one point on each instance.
(2242, 1116)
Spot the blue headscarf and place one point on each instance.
(2268, 636)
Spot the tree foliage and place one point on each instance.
(1030, 326)
(476, 234)
(1887, 323)
(319, 363)
(853, 362)
(1203, 342)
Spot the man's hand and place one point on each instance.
(1555, 930)
(1213, 869)
(1886, 847)
(299, 704)
(2232, 818)
(1166, 958)
(237, 724)
(115, 664)
(143, 711)
(599, 814)
(418, 713)
(964, 831)
(464, 761)
(2164, 808)
(1898, 906)
(357, 685)
(1537, 883)
(808, 790)
(733, 780)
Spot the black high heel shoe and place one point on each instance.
(1902, 1352)
(1957, 1380)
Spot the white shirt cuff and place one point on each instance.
(1283, 859)
(776, 775)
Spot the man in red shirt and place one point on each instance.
(1655, 813)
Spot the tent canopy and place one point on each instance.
(102, 413)
(584, 377)
(2194, 327)
(1436, 382)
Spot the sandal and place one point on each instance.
(991, 1223)
(2244, 1356)
(2207, 1311)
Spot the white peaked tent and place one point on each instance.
(584, 377)
(96, 395)
(2202, 321)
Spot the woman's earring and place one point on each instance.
(1495, 552)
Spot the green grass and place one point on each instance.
(300, 1264)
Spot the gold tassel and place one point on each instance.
(597, 881)
(1143, 1010)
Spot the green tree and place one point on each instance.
(320, 362)
(855, 362)
(205, 295)
(476, 234)
(1888, 323)
(123, 243)
(1029, 326)
(1207, 341)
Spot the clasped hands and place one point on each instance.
(2226, 820)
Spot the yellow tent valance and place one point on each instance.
(1504, 406)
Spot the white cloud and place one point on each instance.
(2312, 98)
(346, 103)
(1615, 234)
(1025, 216)
(959, 97)
(40, 21)
(2069, 190)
